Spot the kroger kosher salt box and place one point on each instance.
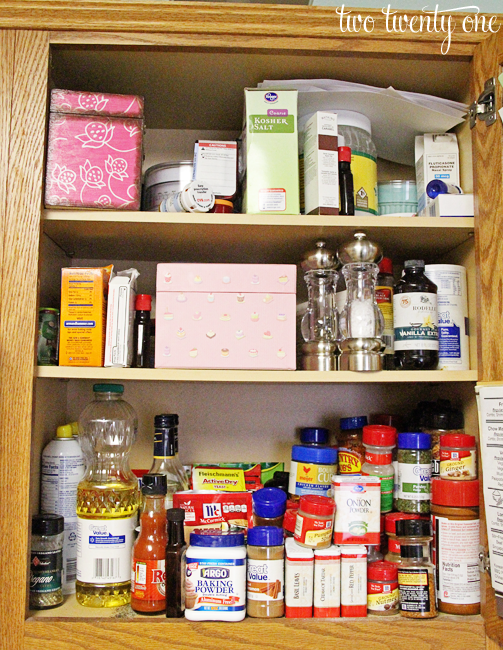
(94, 152)
(269, 153)
(235, 316)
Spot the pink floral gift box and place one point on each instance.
(233, 316)
(94, 153)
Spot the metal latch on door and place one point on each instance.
(485, 107)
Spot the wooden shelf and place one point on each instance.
(126, 629)
(255, 376)
(242, 238)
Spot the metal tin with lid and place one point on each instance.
(162, 179)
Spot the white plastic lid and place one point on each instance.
(175, 172)
(331, 551)
(353, 549)
(296, 552)
(197, 197)
(344, 118)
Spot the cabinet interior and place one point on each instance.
(191, 93)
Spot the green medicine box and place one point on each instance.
(270, 152)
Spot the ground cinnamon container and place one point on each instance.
(455, 518)
(265, 571)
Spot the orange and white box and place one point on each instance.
(83, 316)
(353, 581)
(327, 582)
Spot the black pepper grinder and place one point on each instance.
(141, 332)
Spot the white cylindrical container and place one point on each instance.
(215, 576)
(162, 179)
(62, 470)
(353, 581)
(299, 574)
(195, 197)
(452, 305)
(327, 582)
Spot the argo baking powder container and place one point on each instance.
(215, 576)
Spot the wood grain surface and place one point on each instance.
(24, 95)
(213, 18)
(393, 633)
(488, 188)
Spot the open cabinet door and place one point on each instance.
(488, 187)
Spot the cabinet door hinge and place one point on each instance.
(484, 561)
(485, 107)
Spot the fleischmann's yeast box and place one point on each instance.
(270, 152)
(233, 316)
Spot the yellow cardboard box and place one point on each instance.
(84, 293)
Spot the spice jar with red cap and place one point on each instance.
(458, 457)
(315, 521)
(382, 588)
(379, 440)
(456, 525)
(141, 331)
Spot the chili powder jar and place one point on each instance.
(455, 518)
(351, 449)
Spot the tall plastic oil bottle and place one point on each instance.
(107, 500)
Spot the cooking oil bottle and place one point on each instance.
(107, 500)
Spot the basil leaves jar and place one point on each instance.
(414, 473)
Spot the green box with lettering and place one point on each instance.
(270, 152)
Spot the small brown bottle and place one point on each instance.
(175, 564)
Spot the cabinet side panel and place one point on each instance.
(20, 242)
(488, 169)
(488, 172)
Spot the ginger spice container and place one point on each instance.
(455, 518)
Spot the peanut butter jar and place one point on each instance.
(455, 519)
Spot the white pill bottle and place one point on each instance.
(215, 576)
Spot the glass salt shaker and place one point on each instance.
(46, 561)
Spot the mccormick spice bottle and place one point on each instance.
(382, 588)
(379, 441)
(265, 572)
(351, 449)
(415, 319)
(456, 527)
(315, 521)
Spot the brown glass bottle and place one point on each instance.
(415, 319)
(175, 561)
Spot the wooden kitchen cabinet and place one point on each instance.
(191, 61)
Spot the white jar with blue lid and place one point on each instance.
(311, 471)
(215, 576)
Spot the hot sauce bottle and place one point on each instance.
(148, 576)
